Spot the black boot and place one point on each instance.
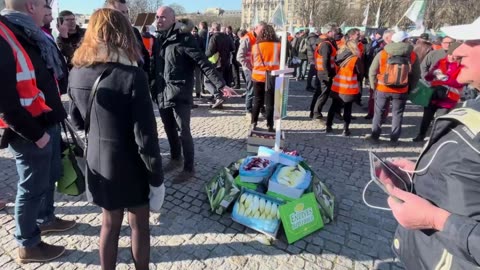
(346, 130)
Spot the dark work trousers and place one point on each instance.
(359, 95)
(302, 68)
(312, 73)
(198, 81)
(262, 98)
(429, 115)
(398, 107)
(211, 87)
(337, 105)
(322, 93)
(249, 90)
(371, 105)
(236, 70)
(177, 120)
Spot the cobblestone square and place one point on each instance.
(186, 235)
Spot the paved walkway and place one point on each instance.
(187, 235)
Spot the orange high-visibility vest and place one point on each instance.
(319, 58)
(266, 56)
(453, 94)
(346, 82)
(381, 73)
(252, 40)
(148, 43)
(31, 98)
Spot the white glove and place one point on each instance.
(156, 196)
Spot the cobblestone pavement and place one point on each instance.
(188, 236)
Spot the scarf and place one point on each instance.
(48, 49)
(120, 57)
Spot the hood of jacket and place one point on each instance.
(399, 49)
(184, 25)
(342, 56)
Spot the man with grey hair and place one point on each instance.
(377, 46)
(30, 113)
(175, 56)
(325, 65)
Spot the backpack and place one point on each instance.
(397, 71)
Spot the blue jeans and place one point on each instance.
(38, 170)
(249, 90)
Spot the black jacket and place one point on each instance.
(203, 34)
(145, 64)
(69, 45)
(326, 51)
(223, 44)
(123, 155)
(19, 119)
(449, 178)
(175, 56)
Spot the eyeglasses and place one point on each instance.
(445, 42)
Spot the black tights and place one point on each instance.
(140, 237)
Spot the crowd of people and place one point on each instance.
(115, 75)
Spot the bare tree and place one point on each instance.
(179, 9)
(142, 6)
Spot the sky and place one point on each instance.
(87, 6)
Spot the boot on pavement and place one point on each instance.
(43, 252)
(57, 225)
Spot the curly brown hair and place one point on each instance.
(267, 35)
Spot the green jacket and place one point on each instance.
(403, 49)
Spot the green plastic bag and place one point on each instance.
(72, 181)
(421, 95)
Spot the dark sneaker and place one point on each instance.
(183, 177)
(368, 117)
(194, 106)
(346, 132)
(372, 139)
(271, 129)
(41, 253)
(419, 138)
(57, 225)
(329, 130)
(218, 103)
(2, 205)
(172, 165)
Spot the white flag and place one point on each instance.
(365, 13)
(416, 12)
(377, 19)
(278, 17)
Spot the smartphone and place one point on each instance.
(384, 172)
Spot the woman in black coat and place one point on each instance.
(123, 157)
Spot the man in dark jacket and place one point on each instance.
(175, 56)
(70, 35)
(302, 55)
(219, 51)
(439, 221)
(33, 141)
(121, 5)
(203, 34)
(324, 76)
(312, 42)
(423, 46)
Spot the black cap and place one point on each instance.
(425, 36)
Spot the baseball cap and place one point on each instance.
(399, 36)
(464, 31)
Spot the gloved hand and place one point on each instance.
(156, 196)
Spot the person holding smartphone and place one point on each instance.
(440, 223)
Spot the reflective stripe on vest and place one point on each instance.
(381, 73)
(266, 56)
(30, 97)
(319, 58)
(346, 82)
